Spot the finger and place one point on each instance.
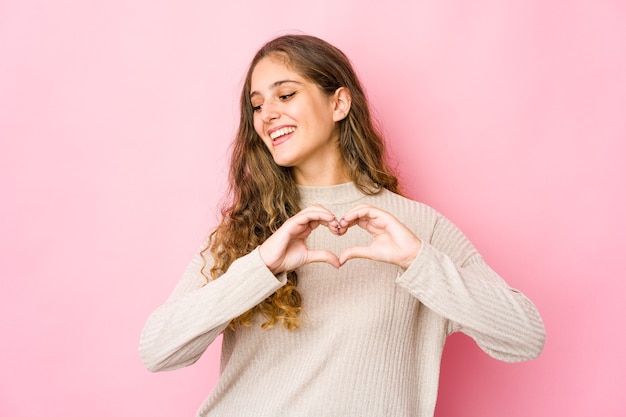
(316, 212)
(334, 228)
(333, 225)
(355, 252)
(358, 213)
(323, 256)
(306, 222)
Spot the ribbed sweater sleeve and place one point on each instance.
(179, 331)
(451, 278)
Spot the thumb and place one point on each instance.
(355, 252)
(323, 256)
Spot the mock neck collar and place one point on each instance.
(329, 194)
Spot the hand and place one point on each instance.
(286, 250)
(393, 242)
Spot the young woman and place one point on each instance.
(334, 293)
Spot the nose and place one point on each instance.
(269, 112)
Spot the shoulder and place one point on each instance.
(399, 205)
(417, 216)
(425, 221)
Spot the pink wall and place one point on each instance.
(115, 117)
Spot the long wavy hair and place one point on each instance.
(262, 195)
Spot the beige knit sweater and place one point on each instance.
(372, 334)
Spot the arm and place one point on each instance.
(448, 276)
(179, 331)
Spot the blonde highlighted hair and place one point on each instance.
(263, 195)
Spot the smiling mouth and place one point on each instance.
(282, 132)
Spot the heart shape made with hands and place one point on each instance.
(392, 241)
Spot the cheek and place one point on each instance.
(258, 128)
(257, 124)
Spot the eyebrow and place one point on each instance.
(274, 86)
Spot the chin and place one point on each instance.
(283, 162)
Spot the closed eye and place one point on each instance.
(285, 97)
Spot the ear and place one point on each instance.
(342, 99)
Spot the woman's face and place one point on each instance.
(295, 119)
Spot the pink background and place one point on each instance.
(115, 116)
